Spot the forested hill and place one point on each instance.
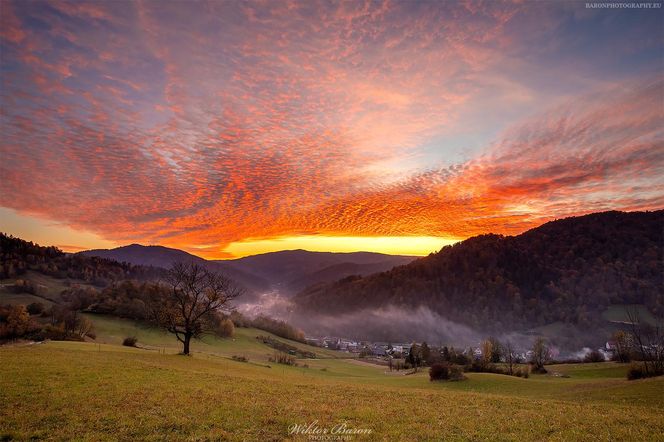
(568, 270)
(18, 256)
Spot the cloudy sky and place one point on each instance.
(229, 128)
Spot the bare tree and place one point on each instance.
(195, 294)
(650, 342)
(487, 352)
(509, 356)
(623, 343)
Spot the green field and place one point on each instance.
(89, 391)
(103, 391)
(111, 330)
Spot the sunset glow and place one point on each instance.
(233, 128)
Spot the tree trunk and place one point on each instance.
(187, 340)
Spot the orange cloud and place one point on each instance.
(202, 127)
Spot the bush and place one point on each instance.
(225, 328)
(35, 308)
(638, 371)
(54, 332)
(594, 356)
(285, 348)
(444, 371)
(283, 358)
(240, 358)
(456, 373)
(279, 328)
(522, 372)
(539, 370)
(439, 372)
(130, 341)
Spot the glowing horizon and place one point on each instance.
(230, 128)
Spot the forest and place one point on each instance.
(567, 270)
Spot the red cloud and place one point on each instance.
(192, 127)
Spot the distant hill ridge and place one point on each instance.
(289, 270)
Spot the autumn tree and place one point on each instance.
(487, 350)
(193, 297)
(18, 321)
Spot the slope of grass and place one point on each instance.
(112, 330)
(48, 287)
(82, 391)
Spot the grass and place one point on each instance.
(103, 391)
(110, 330)
(49, 289)
(84, 391)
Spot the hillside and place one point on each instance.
(567, 271)
(293, 270)
(136, 394)
(18, 257)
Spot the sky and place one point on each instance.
(229, 128)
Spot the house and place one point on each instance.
(378, 350)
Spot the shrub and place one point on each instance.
(130, 341)
(279, 328)
(285, 348)
(225, 329)
(444, 371)
(635, 371)
(638, 371)
(522, 372)
(594, 356)
(54, 332)
(240, 358)
(539, 370)
(35, 308)
(439, 372)
(283, 358)
(456, 373)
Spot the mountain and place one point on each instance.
(565, 271)
(289, 270)
(164, 257)
(337, 271)
(293, 270)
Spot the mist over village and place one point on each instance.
(399, 220)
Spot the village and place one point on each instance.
(383, 353)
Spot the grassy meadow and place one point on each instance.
(104, 391)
